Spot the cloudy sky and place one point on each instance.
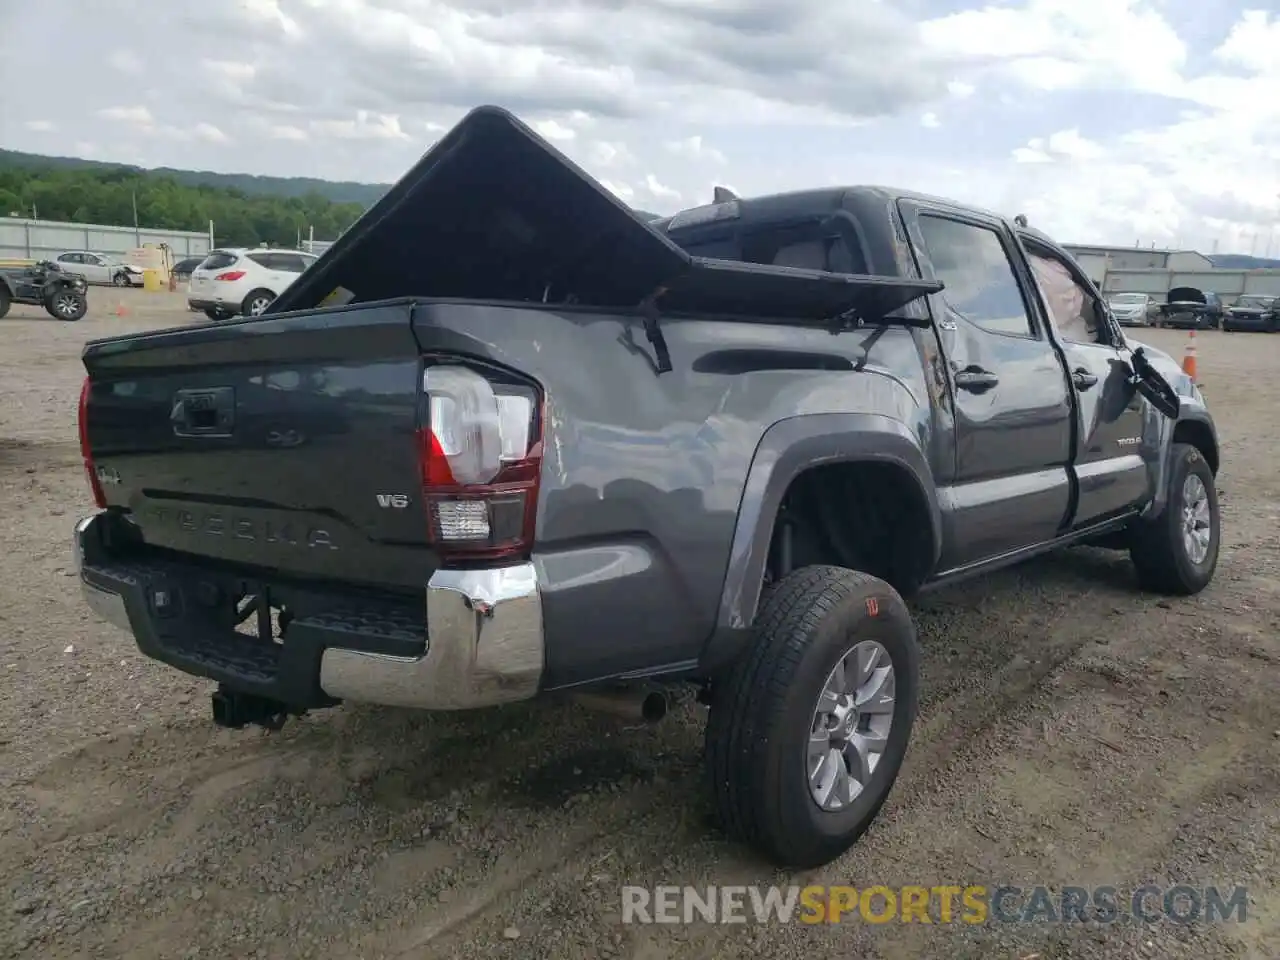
(1105, 121)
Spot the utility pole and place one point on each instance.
(137, 236)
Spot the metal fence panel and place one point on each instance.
(26, 239)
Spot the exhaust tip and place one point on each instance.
(654, 707)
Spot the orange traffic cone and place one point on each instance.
(120, 309)
(1189, 356)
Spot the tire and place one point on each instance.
(1160, 552)
(763, 711)
(214, 314)
(261, 299)
(67, 305)
(5, 302)
(120, 279)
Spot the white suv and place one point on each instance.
(234, 281)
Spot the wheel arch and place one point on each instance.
(1197, 432)
(788, 450)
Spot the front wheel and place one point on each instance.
(121, 279)
(809, 729)
(1177, 551)
(4, 302)
(67, 305)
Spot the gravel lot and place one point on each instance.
(1072, 731)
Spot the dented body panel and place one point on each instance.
(688, 380)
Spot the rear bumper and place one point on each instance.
(482, 642)
(1258, 322)
(204, 303)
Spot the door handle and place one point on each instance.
(1083, 379)
(975, 379)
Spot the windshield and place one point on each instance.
(1129, 298)
(1255, 301)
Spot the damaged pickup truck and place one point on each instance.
(507, 439)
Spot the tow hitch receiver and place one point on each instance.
(236, 710)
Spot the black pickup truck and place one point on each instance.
(509, 439)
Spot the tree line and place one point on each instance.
(107, 195)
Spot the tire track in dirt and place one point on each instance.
(947, 722)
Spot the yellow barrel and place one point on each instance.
(151, 280)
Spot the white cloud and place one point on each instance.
(209, 133)
(693, 148)
(363, 126)
(619, 190)
(1090, 116)
(126, 61)
(1051, 44)
(554, 130)
(658, 190)
(137, 115)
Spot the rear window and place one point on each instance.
(288, 262)
(808, 245)
(218, 260)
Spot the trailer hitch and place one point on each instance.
(236, 710)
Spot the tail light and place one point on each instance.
(90, 472)
(230, 276)
(481, 455)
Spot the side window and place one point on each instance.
(980, 284)
(290, 262)
(1071, 307)
(265, 260)
(69, 258)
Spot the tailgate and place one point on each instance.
(284, 444)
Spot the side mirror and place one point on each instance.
(1151, 384)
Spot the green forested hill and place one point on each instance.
(245, 209)
(66, 189)
(250, 184)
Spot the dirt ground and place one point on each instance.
(1073, 731)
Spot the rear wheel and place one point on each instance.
(810, 727)
(4, 302)
(1177, 551)
(214, 314)
(257, 301)
(121, 279)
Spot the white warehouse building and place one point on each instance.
(1097, 261)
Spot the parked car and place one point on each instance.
(234, 281)
(185, 267)
(1191, 309)
(508, 439)
(64, 296)
(1253, 312)
(100, 268)
(1133, 309)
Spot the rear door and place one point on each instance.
(1011, 399)
(273, 272)
(74, 263)
(289, 267)
(96, 269)
(1110, 468)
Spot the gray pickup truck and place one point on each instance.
(508, 439)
